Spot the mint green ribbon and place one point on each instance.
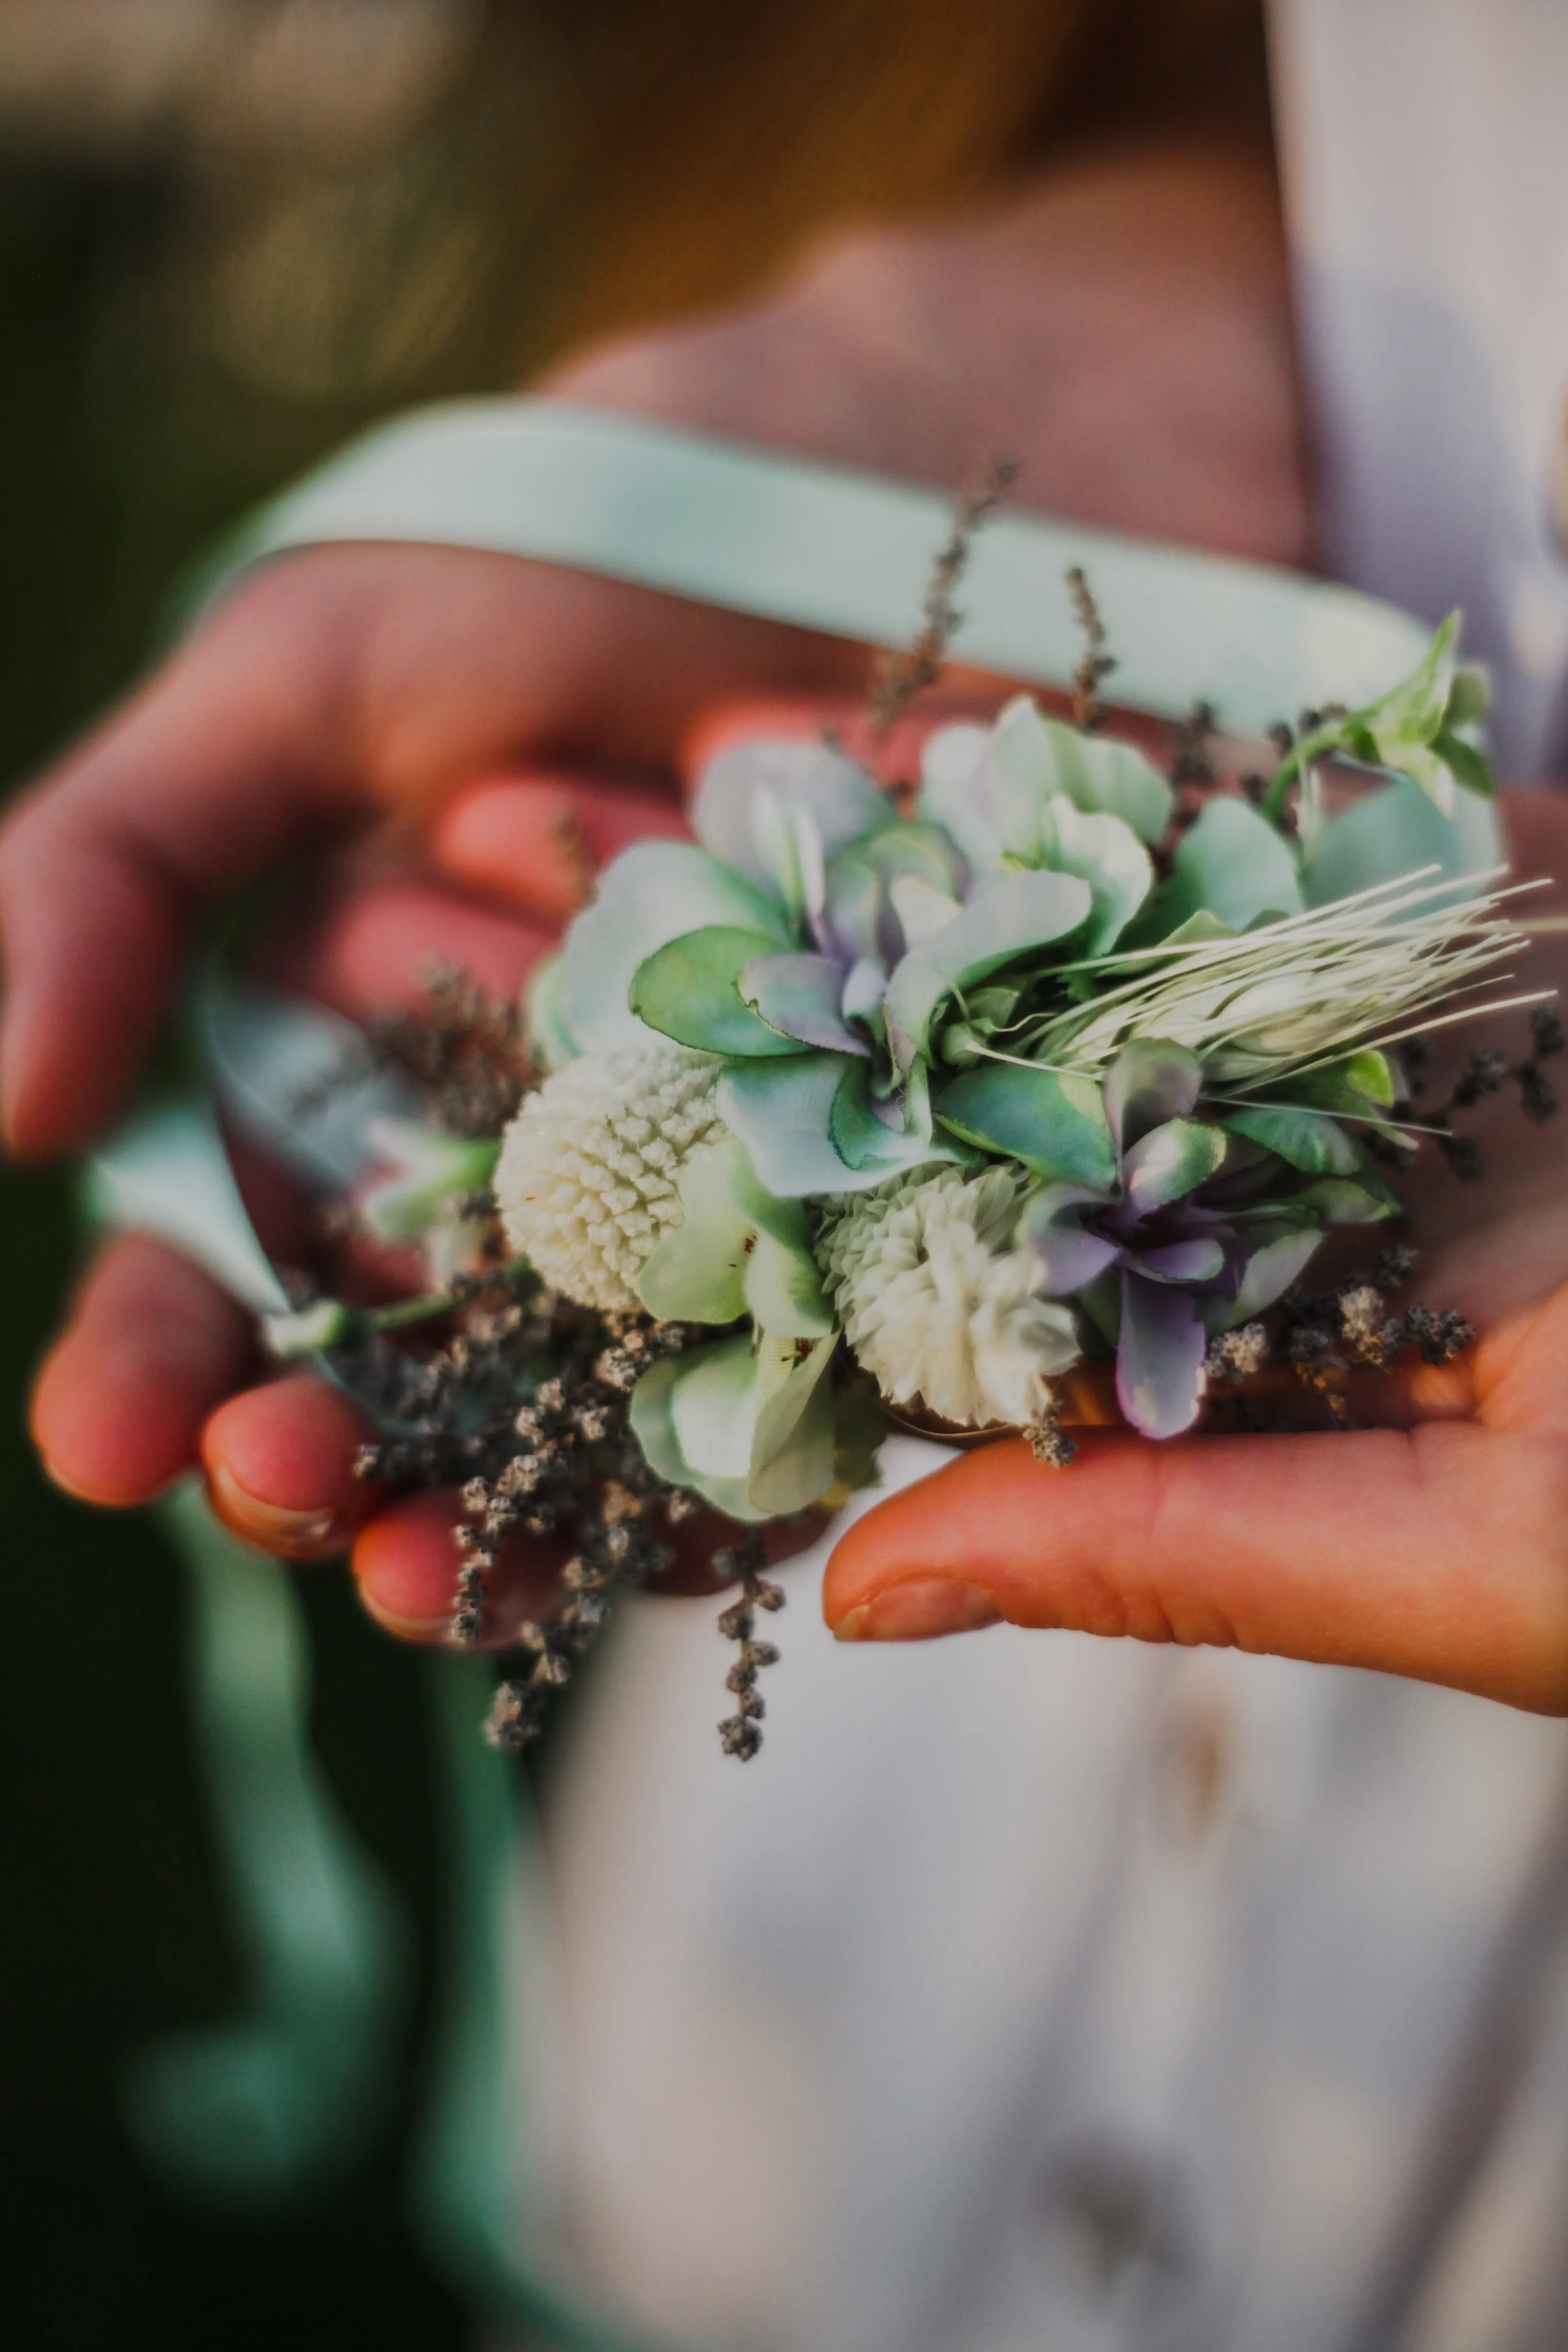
(844, 553)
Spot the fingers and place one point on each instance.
(279, 1467)
(151, 1346)
(1437, 1552)
(280, 1471)
(406, 1563)
(535, 841)
(376, 953)
(205, 780)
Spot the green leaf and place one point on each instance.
(1026, 910)
(1359, 1087)
(1270, 1270)
(1471, 767)
(1232, 864)
(688, 990)
(859, 1426)
(1053, 1126)
(738, 1251)
(792, 1460)
(1305, 1139)
(1394, 831)
(1336, 1200)
(1470, 696)
(655, 892)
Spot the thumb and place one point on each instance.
(1439, 1551)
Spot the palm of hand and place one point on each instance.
(1438, 1549)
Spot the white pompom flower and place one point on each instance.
(589, 1176)
(937, 1303)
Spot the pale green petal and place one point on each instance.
(792, 1460)
(737, 1250)
(688, 990)
(1308, 1140)
(1053, 1126)
(1107, 855)
(782, 1112)
(550, 1042)
(1233, 864)
(653, 893)
(773, 776)
(1394, 831)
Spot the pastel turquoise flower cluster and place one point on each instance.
(970, 1086)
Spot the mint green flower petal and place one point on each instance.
(652, 893)
(689, 989)
(738, 1251)
(1056, 1127)
(783, 1113)
(1033, 757)
(747, 795)
(550, 1042)
(652, 1421)
(1107, 855)
(1026, 910)
(1396, 830)
(1233, 864)
(747, 1424)
(793, 1449)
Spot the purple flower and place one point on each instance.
(1155, 1265)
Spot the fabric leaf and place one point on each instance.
(688, 990)
(1055, 1126)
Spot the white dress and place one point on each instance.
(1031, 1992)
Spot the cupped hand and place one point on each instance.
(1438, 1549)
(1124, 330)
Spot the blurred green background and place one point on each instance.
(164, 361)
(123, 458)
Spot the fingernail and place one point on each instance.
(270, 1526)
(406, 1629)
(78, 1491)
(917, 1609)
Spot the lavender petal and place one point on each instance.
(1159, 1357)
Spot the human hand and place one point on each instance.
(1438, 1549)
(355, 686)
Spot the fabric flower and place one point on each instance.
(588, 1177)
(939, 1304)
(1152, 1261)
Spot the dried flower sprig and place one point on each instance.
(1089, 711)
(740, 1734)
(1323, 1337)
(899, 678)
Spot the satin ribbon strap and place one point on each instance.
(829, 549)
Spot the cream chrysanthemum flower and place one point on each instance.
(936, 1302)
(586, 1183)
